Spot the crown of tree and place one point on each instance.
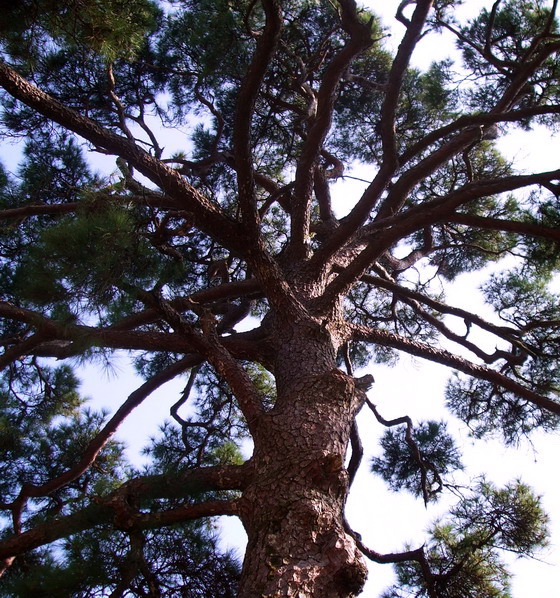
(212, 250)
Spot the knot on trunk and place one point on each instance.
(328, 475)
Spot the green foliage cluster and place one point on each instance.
(514, 28)
(463, 553)
(44, 428)
(113, 28)
(417, 466)
(101, 561)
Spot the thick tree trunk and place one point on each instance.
(293, 513)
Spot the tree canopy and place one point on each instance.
(212, 250)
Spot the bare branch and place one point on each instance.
(418, 349)
(423, 464)
(395, 80)
(208, 344)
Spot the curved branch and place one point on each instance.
(22, 348)
(360, 40)
(265, 267)
(209, 217)
(395, 200)
(103, 513)
(504, 332)
(443, 357)
(423, 463)
(377, 557)
(208, 344)
(102, 438)
(360, 212)
(244, 345)
(245, 106)
(475, 120)
(395, 80)
(227, 290)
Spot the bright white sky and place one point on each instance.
(385, 520)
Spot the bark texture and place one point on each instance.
(293, 511)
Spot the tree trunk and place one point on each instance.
(293, 513)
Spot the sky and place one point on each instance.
(386, 520)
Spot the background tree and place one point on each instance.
(228, 123)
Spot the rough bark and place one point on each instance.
(293, 511)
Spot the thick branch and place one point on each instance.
(115, 508)
(209, 217)
(25, 347)
(387, 231)
(513, 226)
(245, 107)
(38, 210)
(59, 338)
(395, 81)
(360, 40)
(361, 211)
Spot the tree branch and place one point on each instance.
(67, 340)
(395, 80)
(361, 211)
(97, 444)
(245, 106)
(209, 217)
(504, 332)
(514, 226)
(387, 231)
(423, 463)
(116, 507)
(208, 344)
(474, 120)
(227, 290)
(443, 357)
(38, 210)
(360, 40)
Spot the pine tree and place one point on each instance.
(213, 252)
